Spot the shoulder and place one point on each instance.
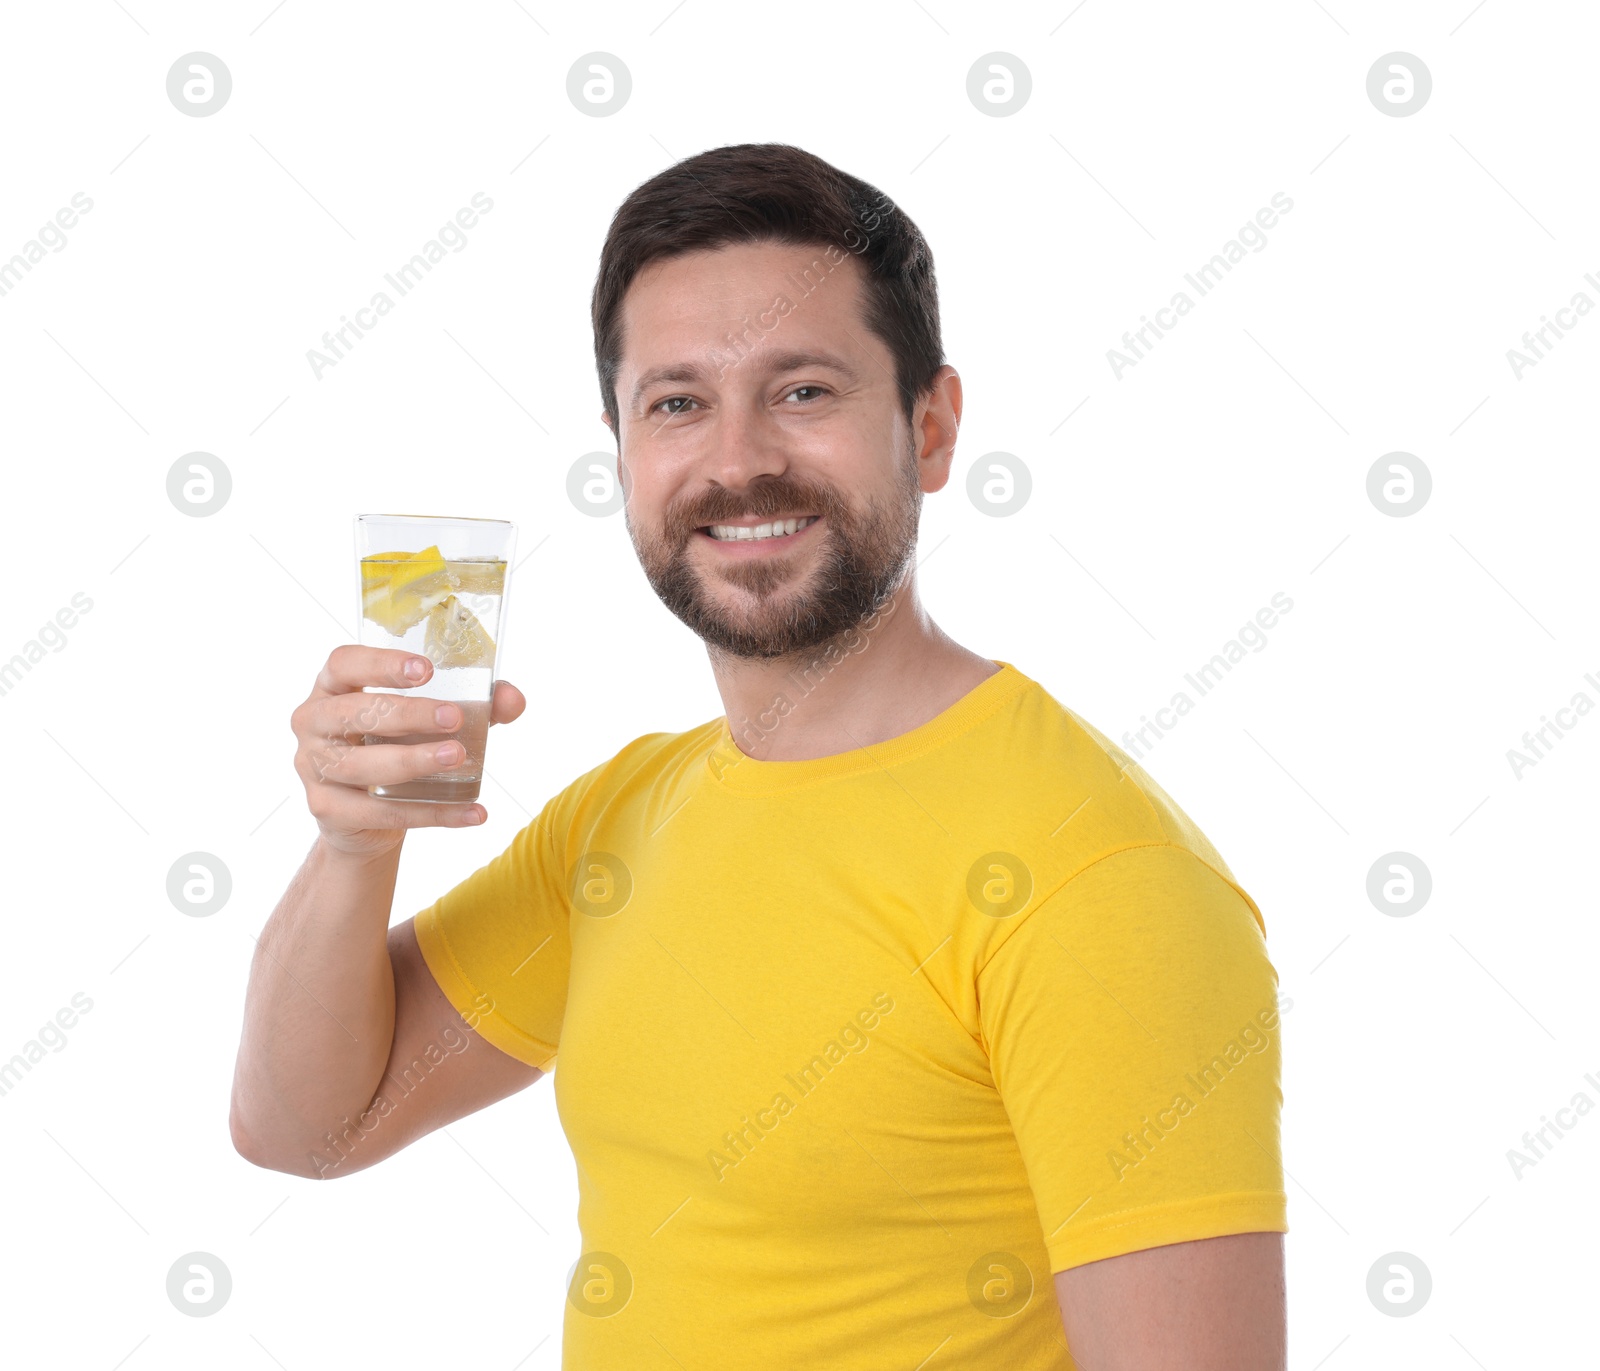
(647, 770)
(1090, 800)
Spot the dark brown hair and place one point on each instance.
(755, 192)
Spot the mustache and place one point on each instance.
(721, 506)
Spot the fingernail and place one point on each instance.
(445, 716)
(448, 753)
(474, 816)
(415, 668)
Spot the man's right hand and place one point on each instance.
(336, 767)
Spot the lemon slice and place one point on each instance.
(454, 637)
(398, 589)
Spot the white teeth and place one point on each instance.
(778, 529)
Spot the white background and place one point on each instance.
(1229, 464)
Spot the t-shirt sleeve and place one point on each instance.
(1132, 1028)
(498, 944)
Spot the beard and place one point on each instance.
(860, 563)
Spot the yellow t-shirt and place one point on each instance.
(856, 1052)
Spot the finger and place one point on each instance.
(362, 764)
(351, 666)
(508, 703)
(378, 713)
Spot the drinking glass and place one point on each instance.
(437, 587)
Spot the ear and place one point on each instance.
(935, 421)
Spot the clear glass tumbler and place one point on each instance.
(437, 587)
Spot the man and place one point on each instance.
(883, 1001)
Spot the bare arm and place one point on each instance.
(436, 1070)
(334, 994)
(1212, 1305)
(319, 1008)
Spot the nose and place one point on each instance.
(745, 444)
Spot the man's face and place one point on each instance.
(746, 404)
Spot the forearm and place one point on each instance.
(319, 1009)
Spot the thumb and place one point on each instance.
(507, 704)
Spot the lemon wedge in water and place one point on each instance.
(398, 589)
(454, 637)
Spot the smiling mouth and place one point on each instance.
(757, 532)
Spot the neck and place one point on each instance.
(888, 675)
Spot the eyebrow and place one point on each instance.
(767, 364)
